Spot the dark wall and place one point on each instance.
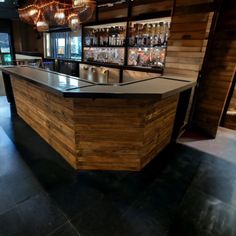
(6, 27)
(26, 38)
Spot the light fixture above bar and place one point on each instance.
(44, 14)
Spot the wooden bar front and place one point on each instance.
(101, 133)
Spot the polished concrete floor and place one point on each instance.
(184, 191)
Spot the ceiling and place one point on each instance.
(8, 9)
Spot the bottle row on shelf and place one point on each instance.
(145, 57)
(143, 45)
(112, 36)
(149, 35)
(104, 55)
(140, 35)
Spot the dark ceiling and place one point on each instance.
(8, 9)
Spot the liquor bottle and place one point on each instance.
(161, 42)
(149, 37)
(123, 36)
(155, 35)
(117, 36)
(140, 41)
(87, 38)
(152, 35)
(132, 35)
(94, 36)
(101, 36)
(158, 35)
(136, 34)
(144, 41)
(91, 38)
(110, 36)
(98, 35)
(166, 26)
(106, 35)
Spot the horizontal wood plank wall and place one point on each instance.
(104, 134)
(49, 115)
(183, 3)
(159, 122)
(215, 85)
(230, 119)
(122, 134)
(107, 13)
(144, 7)
(188, 38)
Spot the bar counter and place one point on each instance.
(98, 126)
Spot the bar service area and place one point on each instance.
(110, 84)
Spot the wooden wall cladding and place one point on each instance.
(122, 134)
(181, 3)
(187, 43)
(230, 119)
(215, 85)
(104, 134)
(119, 11)
(144, 7)
(49, 115)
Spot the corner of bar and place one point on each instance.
(108, 87)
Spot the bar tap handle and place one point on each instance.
(85, 67)
(105, 72)
(93, 69)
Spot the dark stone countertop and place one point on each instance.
(69, 86)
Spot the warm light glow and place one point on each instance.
(74, 22)
(33, 12)
(78, 3)
(60, 17)
(42, 26)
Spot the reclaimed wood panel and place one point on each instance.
(192, 2)
(117, 128)
(98, 134)
(141, 7)
(110, 12)
(188, 40)
(190, 26)
(215, 85)
(49, 115)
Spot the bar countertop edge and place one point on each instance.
(158, 88)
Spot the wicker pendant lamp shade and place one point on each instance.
(45, 14)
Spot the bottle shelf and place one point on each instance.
(110, 55)
(149, 47)
(101, 63)
(102, 46)
(147, 67)
(142, 46)
(105, 36)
